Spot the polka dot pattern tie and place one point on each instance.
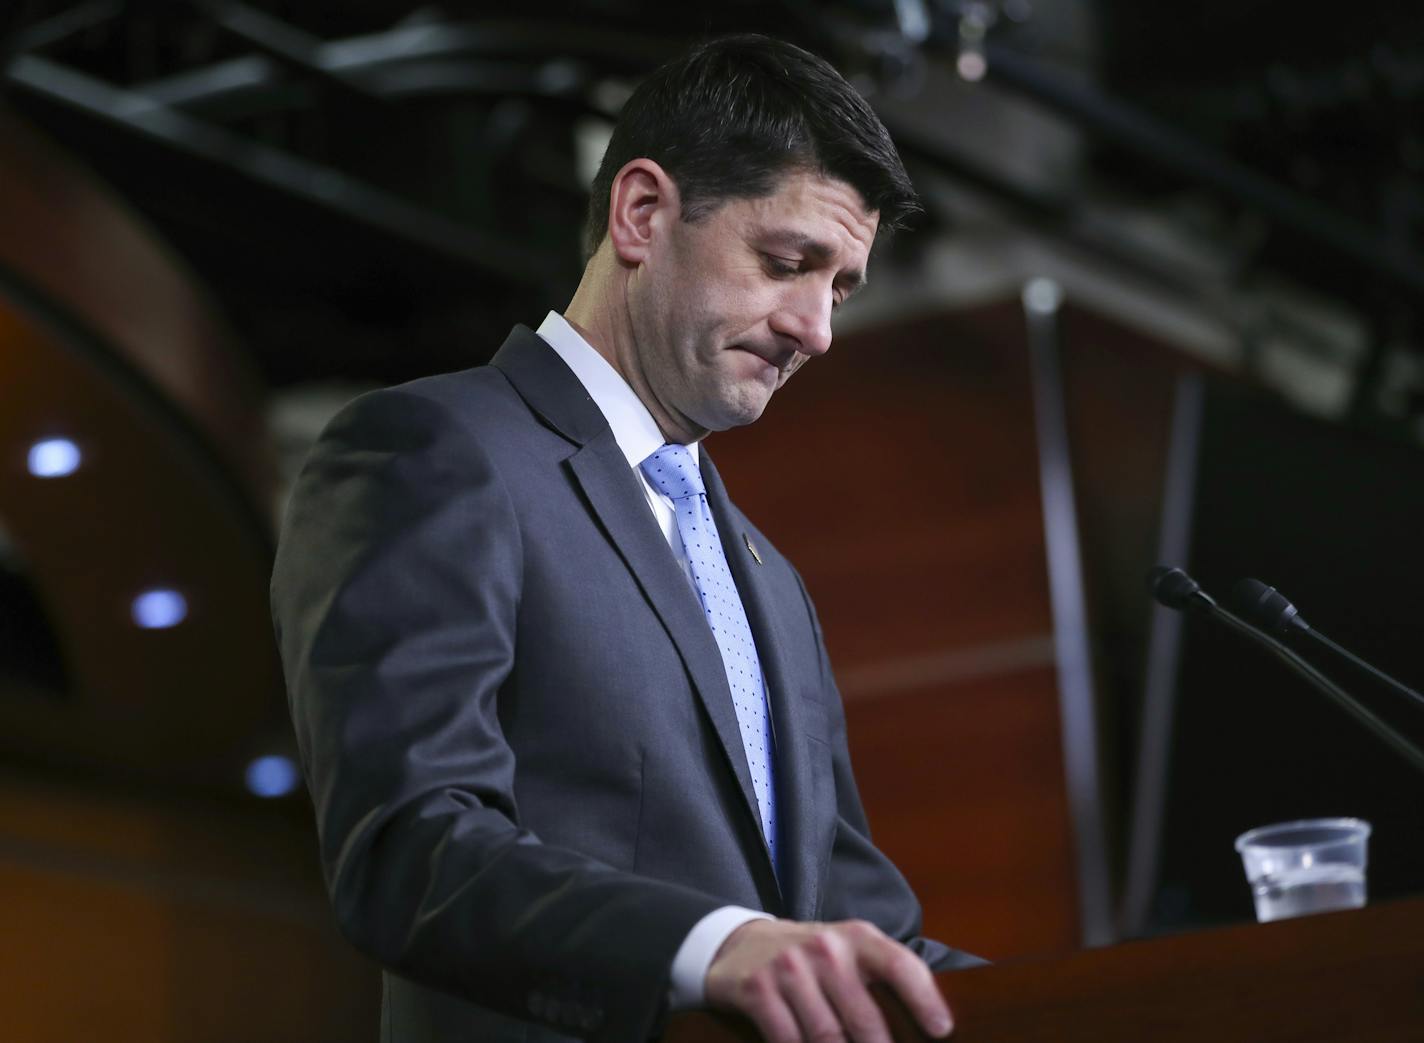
(672, 472)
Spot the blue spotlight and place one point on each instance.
(54, 458)
(159, 609)
(272, 776)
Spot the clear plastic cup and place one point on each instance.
(1312, 866)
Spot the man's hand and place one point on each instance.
(807, 981)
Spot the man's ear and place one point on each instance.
(642, 202)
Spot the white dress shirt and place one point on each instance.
(638, 435)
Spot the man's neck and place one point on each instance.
(599, 313)
(592, 312)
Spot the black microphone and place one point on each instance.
(1272, 612)
(1267, 608)
(1175, 589)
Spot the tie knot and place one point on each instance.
(673, 472)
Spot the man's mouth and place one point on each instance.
(778, 360)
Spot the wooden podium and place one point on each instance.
(1355, 976)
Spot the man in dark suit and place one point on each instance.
(567, 717)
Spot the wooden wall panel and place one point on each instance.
(964, 787)
(134, 917)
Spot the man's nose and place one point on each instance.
(805, 317)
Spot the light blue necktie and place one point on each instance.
(672, 472)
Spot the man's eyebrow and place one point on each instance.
(818, 251)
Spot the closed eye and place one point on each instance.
(786, 268)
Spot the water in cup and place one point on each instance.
(1303, 890)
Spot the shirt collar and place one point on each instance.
(634, 428)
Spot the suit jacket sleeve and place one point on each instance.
(862, 882)
(395, 593)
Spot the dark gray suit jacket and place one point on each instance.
(528, 778)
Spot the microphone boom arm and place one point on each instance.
(1369, 670)
(1175, 589)
(1323, 684)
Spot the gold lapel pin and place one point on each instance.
(752, 549)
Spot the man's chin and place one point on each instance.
(744, 406)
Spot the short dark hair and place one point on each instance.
(732, 116)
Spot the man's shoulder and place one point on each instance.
(482, 387)
(478, 401)
(497, 401)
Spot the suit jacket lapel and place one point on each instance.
(795, 799)
(616, 498)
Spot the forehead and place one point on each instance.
(812, 207)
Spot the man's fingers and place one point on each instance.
(759, 998)
(856, 1007)
(803, 986)
(892, 963)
